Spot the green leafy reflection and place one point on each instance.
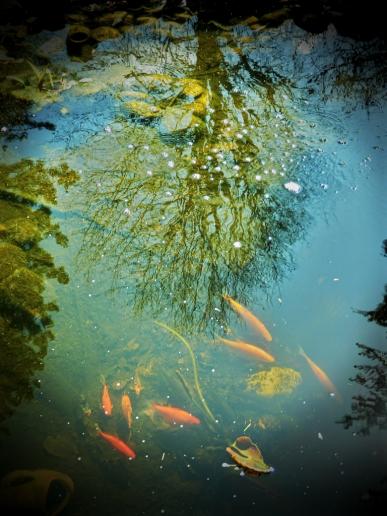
(25, 322)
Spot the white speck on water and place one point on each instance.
(165, 154)
(336, 279)
(146, 147)
(319, 435)
(258, 177)
(127, 211)
(206, 198)
(130, 146)
(237, 244)
(209, 158)
(168, 194)
(171, 164)
(239, 136)
(236, 167)
(108, 129)
(196, 176)
(204, 167)
(226, 121)
(194, 161)
(292, 186)
(218, 169)
(149, 172)
(212, 370)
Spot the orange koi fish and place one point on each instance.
(106, 402)
(126, 406)
(321, 375)
(137, 385)
(250, 318)
(175, 415)
(118, 444)
(248, 349)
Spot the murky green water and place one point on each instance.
(188, 163)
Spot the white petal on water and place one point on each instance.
(292, 186)
(237, 244)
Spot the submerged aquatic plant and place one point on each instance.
(275, 381)
(194, 367)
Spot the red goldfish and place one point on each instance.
(321, 375)
(126, 406)
(175, 415)
(249, 349)
(250, 318)
(118, 444)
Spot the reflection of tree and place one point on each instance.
(370, 410)
(190, 221)
(25, 323)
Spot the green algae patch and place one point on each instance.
(275, 381)
(11, 259)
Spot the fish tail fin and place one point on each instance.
(301, 352)
(102, 379)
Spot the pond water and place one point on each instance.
(191, 167)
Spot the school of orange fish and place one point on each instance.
(176, 415)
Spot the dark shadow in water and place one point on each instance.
(369, 409)
(25, 321)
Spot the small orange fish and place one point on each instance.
(248, 349)
(175, 415)
(250, 318)
(106, 402)
(137, 385)
(118, 444)
(321, 375)
(126, 406)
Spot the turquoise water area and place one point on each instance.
(164, 187)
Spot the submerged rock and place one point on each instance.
(176, 119)
(278, 380)
(103, 33)
(61, 445)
